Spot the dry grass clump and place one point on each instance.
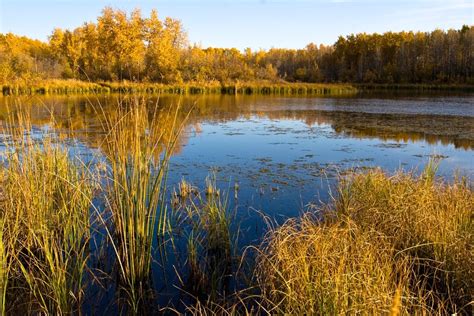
(426, 219)
(321, 268)
(400, 244)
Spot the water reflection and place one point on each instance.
(433, 120)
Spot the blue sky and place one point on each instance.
(249, 23)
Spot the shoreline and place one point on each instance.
(77, 87)
(266, 88)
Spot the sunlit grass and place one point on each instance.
(387, 243)
(4, 269)
(45, 224)
(138, 149)
(425, 219)
(212, 87)
(211, 250)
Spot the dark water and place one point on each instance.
(285, 153)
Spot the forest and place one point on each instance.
(127, 46)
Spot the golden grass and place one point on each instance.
(4, 268)
(210, 244)
(57, 86)
(389, 244)
(138, 149)
(46, 206)
(327, 269)
(44, 212)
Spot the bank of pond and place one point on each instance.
(81, 87)
(75, 87)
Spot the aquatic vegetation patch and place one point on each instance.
(388, 243)
(45, 227)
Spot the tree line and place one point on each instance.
(121, 46)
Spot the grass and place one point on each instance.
(4, 269)
(429, 221)
(397, 244)
(213, 87)
(46, 205)
(418, 87)
(210, 241)
(138, 150)
(45, 225)
(75, 87)
(53, 86)
(324, 269)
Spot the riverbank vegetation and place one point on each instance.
(399, 244)
(45, 200)
(73, 86)
(122, 47)
(394, 244)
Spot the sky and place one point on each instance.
(258, 24)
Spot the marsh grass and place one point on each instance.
(426, 220)
(138, 147)
(398, 244)
(5, 265)
(46, 206)
(53, 86)
(211, 243)
(45, 219)
(213, 87)
(326, 269)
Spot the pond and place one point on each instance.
(277, 156)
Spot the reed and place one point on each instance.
(45, 224)
(138, 148)
(426, 220)
(398, 244)
(211, 244)
(4, 270)
(213, 87)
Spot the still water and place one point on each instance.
(283, 153)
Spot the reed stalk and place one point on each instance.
(138, 146)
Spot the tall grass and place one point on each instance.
(138, 147)
(4, 270)
(327, 269)
(425, 219)
(207, 220)
(212, 87)
(388, 244)
(45, 221)
(54, 86)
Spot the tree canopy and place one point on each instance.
(122, 46)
